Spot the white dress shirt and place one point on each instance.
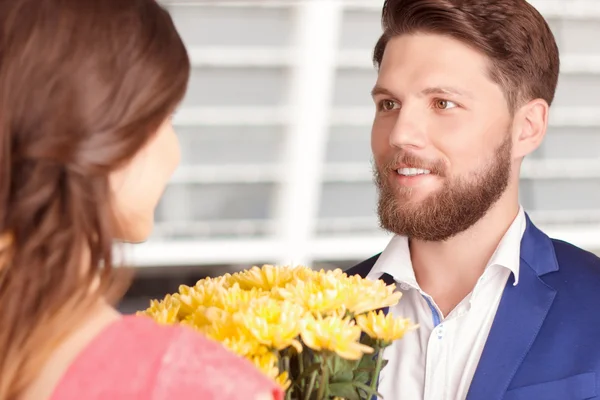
(438, 360)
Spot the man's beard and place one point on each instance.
(457, 206)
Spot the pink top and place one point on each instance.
(136, 359)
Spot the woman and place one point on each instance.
(87, 88)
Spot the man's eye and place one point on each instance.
(387, 105)
(442, 104)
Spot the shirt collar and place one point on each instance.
(395, 259)
(508, 252)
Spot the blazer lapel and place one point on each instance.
(364, 267)
(520, 315)
(389, 280)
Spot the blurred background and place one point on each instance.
(275, 133)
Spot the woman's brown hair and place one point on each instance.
(84, 84)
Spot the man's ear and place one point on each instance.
(529, 127)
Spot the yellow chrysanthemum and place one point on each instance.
(283, 380)
(383, 327)
(264, 278)
(333, 333)
(206, 293)
(224, 329)
(223, 281)
(333, 291)
(164, 312)
(336, 273)
(235, 298)
(190, 300)
(304, 273)
(366, 295)
(242, 345)
(273, 323)
(267, 364)
(204, 316)
(313, 296)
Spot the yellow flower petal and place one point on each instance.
(267, 363)
(283, 380)
(370, 295)
(315, 295)
(265, 278)
(273, 323)
(163, 312)
(335, 334)
(384, 327)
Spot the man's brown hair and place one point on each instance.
(511, 33)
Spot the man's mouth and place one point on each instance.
(412, 171)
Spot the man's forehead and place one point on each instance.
(433, 64)
(427, 53)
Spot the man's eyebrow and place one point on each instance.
(380, 90)
(446, 90)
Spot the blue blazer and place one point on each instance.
(544, 343)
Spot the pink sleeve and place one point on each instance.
(196, 366)
(136, 359)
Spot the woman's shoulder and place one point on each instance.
(225, 376)
(135, 358)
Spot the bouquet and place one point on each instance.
(318, 334)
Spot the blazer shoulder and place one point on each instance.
(578, 268)
(569, 256)
(364, 267)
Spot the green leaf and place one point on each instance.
(308, 371)
(345, 376)
(384, 363)
(345, 390)
(366, 339)
(362, 376)
(365, 373)
(367, 361)
(334, 364)
(340, 370)
(370, 392)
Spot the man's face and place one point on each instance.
(441, 137)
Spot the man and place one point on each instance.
(462, 96)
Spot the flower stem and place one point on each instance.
(324, 379)
(301, 363)
(286, 363)
(286, 368)
(311, 385)
(301, 366)
(378, 364)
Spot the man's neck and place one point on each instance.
(449, 270)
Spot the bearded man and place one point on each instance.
(462, 95)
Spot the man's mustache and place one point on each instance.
(409, 160)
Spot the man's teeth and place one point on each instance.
(412, 171)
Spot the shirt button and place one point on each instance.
(404, 286)
(440, 332)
